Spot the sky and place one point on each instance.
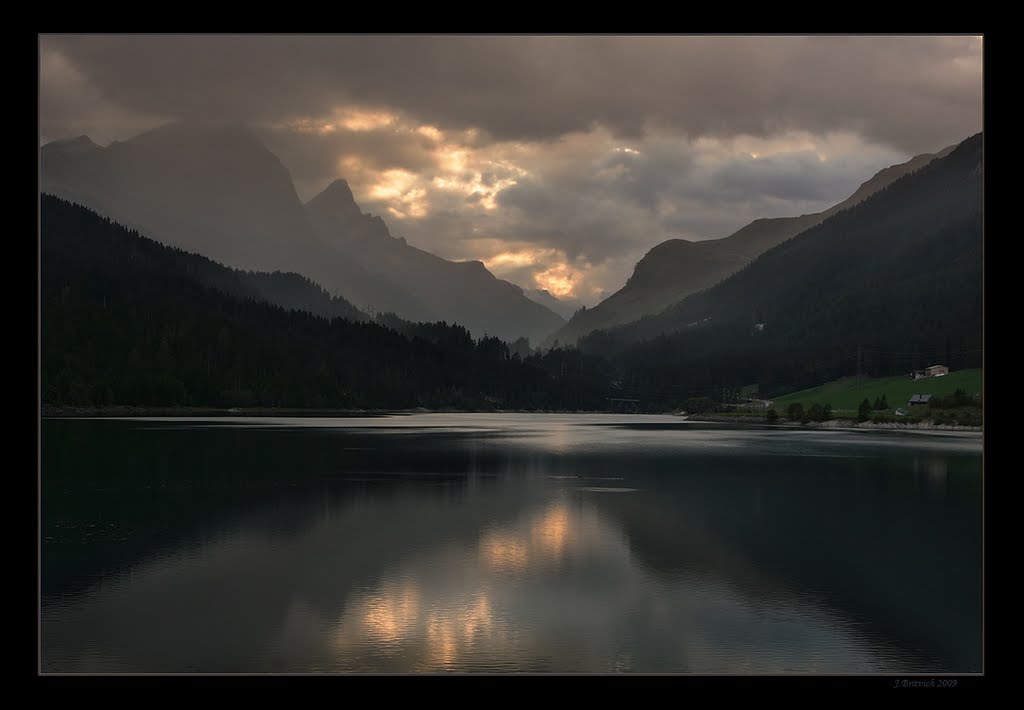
(558, 161)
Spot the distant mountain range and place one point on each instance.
(676, 268)
(463, 292)
(564, 307)
(888, 285)
(217, 190)
(129, 321)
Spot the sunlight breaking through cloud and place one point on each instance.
(572, 217)
(557, 280)
(520, 139)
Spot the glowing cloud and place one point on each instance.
(557, 280)
(349, 119)
(512, 258)
(474, 176)
(399, 188)
(362, 120)
(431, 132)
(572, 217)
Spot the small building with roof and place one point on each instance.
(930, 371)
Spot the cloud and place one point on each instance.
(315, 159)
(575, 155)
(70, 106)
(907, 92)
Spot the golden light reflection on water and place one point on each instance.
(386, 617)
(389, 619)
(442, 620)
(551, 532)
(504, 551)
(398, 619)
(544, 542)
(450, 633)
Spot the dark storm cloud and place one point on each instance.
(912, 93)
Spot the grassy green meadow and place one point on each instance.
(847, 393)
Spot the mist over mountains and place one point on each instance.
(465, 292)
(564, 307)
(215, 189)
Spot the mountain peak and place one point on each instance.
(83, 141)
(337, 200)
(71, 145)
(339, 192)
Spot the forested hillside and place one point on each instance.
(126, 320)
(892, 284)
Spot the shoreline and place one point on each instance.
(48, 411)
(831, 423)
(71, 412)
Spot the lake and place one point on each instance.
(507, 543)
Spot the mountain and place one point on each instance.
(888, 285)
(676, 268)
(214, 188)
(129, 321)
(291, 291)
(564, 307)
(464, 292)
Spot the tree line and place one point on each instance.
(901, 272)
(126, 320)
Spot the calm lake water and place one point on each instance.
(507, 543)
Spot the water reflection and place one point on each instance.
(504, 551)
(446, 619)
(388, 616)
(324, 550)
(513, 604)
